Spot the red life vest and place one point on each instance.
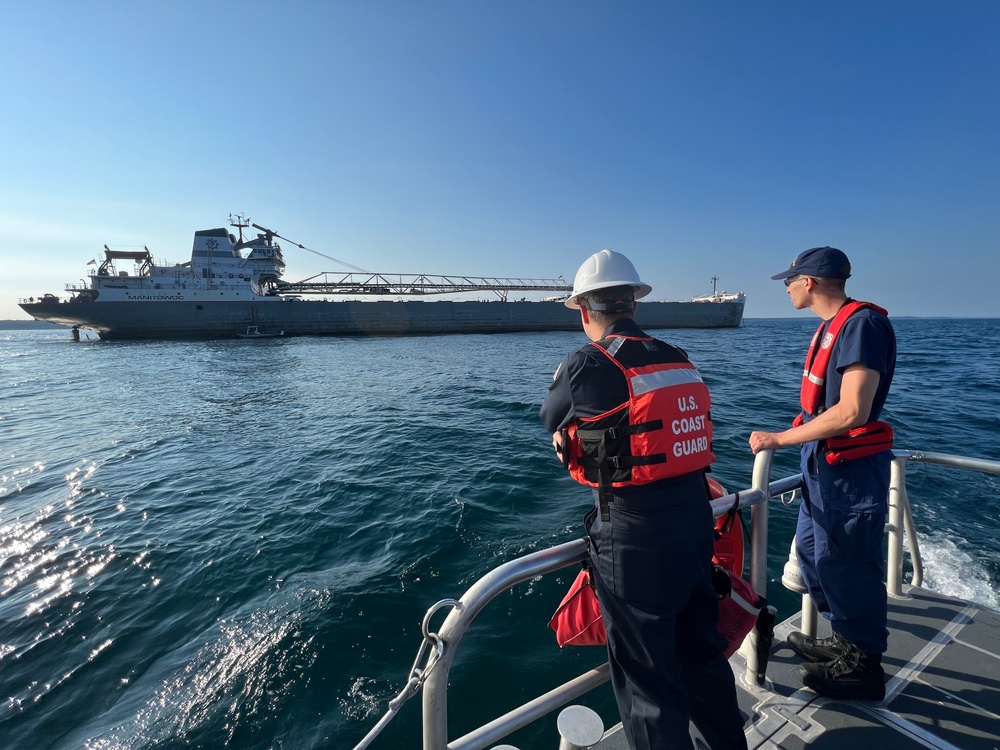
(818, 358)
(729, 546)
(664, 429)
(866, 440)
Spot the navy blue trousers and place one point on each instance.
(653, 575)
(839, 538)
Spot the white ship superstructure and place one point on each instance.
(222, 267)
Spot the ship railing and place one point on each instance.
(531, 566)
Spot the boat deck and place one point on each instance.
(942, 690)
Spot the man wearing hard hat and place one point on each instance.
(629, 416)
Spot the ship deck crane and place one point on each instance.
(361, 282)
(416, 284)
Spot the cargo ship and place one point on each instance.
(233, 287)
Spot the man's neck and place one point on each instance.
(826, 306)
(595, 331)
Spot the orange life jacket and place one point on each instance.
(663, 430)
(866, 440)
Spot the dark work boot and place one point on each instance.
(851, 675)
(817, 649)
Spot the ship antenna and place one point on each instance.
(240, 221)
(715, 280)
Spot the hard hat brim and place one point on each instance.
(640, 291)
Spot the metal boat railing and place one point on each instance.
(520, 570)
(901, 519)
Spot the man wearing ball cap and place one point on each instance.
(845, 459)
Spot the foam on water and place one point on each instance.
(954, 572)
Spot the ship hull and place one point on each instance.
(297, 317)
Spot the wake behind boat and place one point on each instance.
(233, 284)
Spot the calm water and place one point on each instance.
(232, 544)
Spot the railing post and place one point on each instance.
(759, 514)
(911, 538)
(758, 551)
(809, 616)
(791, 577)
(897, 502)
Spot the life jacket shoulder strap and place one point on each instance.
(628, 352)
(820, 348)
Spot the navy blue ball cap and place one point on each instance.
(824, 262)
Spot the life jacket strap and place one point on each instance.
(731, 515)
(613, 433)
(625, 462)
(866, 440)
(605, 485)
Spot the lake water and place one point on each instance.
(233, 543)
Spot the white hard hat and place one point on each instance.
(603, 270)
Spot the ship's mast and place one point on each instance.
(715, 280)
(240, 221)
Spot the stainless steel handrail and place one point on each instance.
(759, 495)
(899, 507)
(949, 459)
(901, 516)
(455, 625)
(545, 704)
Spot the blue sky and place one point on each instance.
(514, 138)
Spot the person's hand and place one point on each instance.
(762, 441)
(557, 443)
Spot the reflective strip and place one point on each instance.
(615, 346)
(813, 378)
(664, 379)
